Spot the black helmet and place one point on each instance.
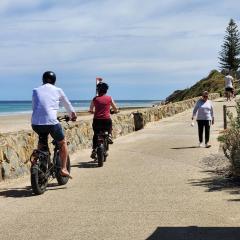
(102, 88)
(49, 77)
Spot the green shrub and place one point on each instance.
(231, 141)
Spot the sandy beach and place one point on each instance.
(14, 123)
(19, 122)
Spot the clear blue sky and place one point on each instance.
(143, 49)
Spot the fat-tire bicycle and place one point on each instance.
(102, 148)
(43, 167)
(103, 141)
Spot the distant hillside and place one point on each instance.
(214, 82)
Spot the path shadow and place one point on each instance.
(17, 192)
(217, 182)
(90, 164)
(219, 177)
(196, 233)
(26, 191)
(177, 148)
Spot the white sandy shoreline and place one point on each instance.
(19, 122)
(13, 123)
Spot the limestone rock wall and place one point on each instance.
(16, 147)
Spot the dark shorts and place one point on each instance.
(228, 89)
(43, 131)
(102, 125)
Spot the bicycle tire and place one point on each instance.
(38, 184)
(61, 179)
(100, 155)
(106, 149)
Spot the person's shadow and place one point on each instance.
(190, 147)
(26, 191)
(16, 192)
(90, 164)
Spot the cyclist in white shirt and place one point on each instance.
(228, 86)
(45, 103)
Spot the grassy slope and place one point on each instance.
(214, 82)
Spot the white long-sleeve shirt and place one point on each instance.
(204, 110)
(46, 100)
(228, 81)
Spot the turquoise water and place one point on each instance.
(21, 107)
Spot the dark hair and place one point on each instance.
(102, 88)
(49, 77)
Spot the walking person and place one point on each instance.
(228, 86)
(204, 112)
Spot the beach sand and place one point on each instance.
(14, 123)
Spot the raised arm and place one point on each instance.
(91, 108)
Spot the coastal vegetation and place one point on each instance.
(213, 83)
(230, 139)
(229, 55)
(230, 61)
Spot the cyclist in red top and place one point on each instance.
(100, 106)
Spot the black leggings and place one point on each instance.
(204, 124)
(100, 125)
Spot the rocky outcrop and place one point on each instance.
(16, 147)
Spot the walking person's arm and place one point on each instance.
(195, 110)
(212, 115)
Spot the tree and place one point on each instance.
(229, 55)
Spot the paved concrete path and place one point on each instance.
(153, 186)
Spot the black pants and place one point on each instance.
(201, 125)
(100, 125)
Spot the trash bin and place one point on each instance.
(138, 121)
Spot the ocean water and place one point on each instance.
(22, 107)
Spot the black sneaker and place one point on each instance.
(93, 154)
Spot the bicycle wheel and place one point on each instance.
(61, 179)
(100, 155)
(39, 180)
(106, 149)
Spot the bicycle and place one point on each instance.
(103, 141)
(43, 167)
(102, 147)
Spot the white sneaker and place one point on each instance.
(207, 145)
(200, 145)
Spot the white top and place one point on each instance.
(203, 109)
(45, 104)
(228, 81)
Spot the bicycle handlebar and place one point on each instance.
(65, 118)
(111, 112)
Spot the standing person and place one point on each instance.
(100, 106)
(45, 104)
(204, 111)
(228, 85)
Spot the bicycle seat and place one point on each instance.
(45, 153)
